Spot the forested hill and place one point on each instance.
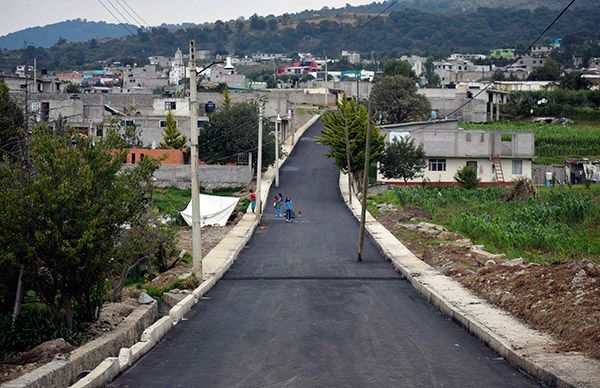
(401, 32)
(76, 30)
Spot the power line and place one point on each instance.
(137, 14)
(119, 12)
(369, 21)
(116, 18)
(517, 59)
(135, 20)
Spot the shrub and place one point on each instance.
(467, 176)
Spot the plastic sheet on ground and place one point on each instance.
(214, 210)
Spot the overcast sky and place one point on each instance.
(19, 14)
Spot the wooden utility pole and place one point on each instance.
(365, 185)
(259, 163)
(277, 132)
(196, 220)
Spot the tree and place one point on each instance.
(334, 135)
(233, 132)
(396, 100)
(433, 79)
(226, 98)
(63, 220)
(72, 88)
(172, 138)
(549, 71)
(403, 160)
(398, 67)
(467, 176)
(12, 122)
(574, 81)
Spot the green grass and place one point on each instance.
(562, 223)
(554, 142)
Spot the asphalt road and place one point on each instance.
(298, 310)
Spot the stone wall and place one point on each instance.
(211, 176)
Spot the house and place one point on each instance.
(525, 86)
(499, 157)
(352, 56)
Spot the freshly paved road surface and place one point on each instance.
(298, 310)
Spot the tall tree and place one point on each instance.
(433, 79)
(334, 135)
(403, 160)
(12, 122)
(68, 216)
(172, 137)
(396, 100)
(233, 133)
(549, 71)
(399, 67)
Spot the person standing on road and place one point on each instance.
(253, 200)
(288, 209)
(277, 206)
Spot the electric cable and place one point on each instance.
(116, 18)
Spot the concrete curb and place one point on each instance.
(529, 350)
(215, 264)
(61, 373)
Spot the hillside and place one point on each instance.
(401, 32)
(76, 30)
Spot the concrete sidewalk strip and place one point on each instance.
(530, 350)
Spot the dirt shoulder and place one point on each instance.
(562, 299)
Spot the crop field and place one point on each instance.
(554, 142)
(560, 224)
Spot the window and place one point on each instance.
(437, 164)
(517, 167)
(163, 123)
(468, 137)
(170, 105)
(127, 123)
(482, 137)
(472, 163)
(132, 158)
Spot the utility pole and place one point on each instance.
(259, 163)
(348, 159)
(357, 85)
(196, 221)
(326, 85)
(363, 213)
(277, 131)
(35, 87)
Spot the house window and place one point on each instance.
(163, 123)
(482, 137)
(132, 158)
(517, 167)
(437, 164)
(472, 163)
(99, 132)
(468, 137)
(170, 105)
(128, 123)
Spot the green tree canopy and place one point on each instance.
(61, 222)
(549, 71)
(334, 135)
(396, 100)
(398, 67)
(12, 122)
(433, 79)
(172, 138)
(232, 133)
(403, 160)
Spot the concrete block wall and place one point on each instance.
(211, 176)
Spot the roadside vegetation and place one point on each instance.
(560, 224)
(554, 142)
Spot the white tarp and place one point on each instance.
(214, 210)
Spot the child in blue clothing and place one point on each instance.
(288, 209)
(277, 206)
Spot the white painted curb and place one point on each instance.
(157, 330)
(527, 349)
(102, 375)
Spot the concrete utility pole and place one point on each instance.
(196, 221)
(326, 85)
(348, 159)
(363, 213)
(259, 163)
(277, 132)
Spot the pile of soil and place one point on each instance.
(562, 299)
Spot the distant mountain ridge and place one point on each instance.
(80, 30)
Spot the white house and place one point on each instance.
(498, 156)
